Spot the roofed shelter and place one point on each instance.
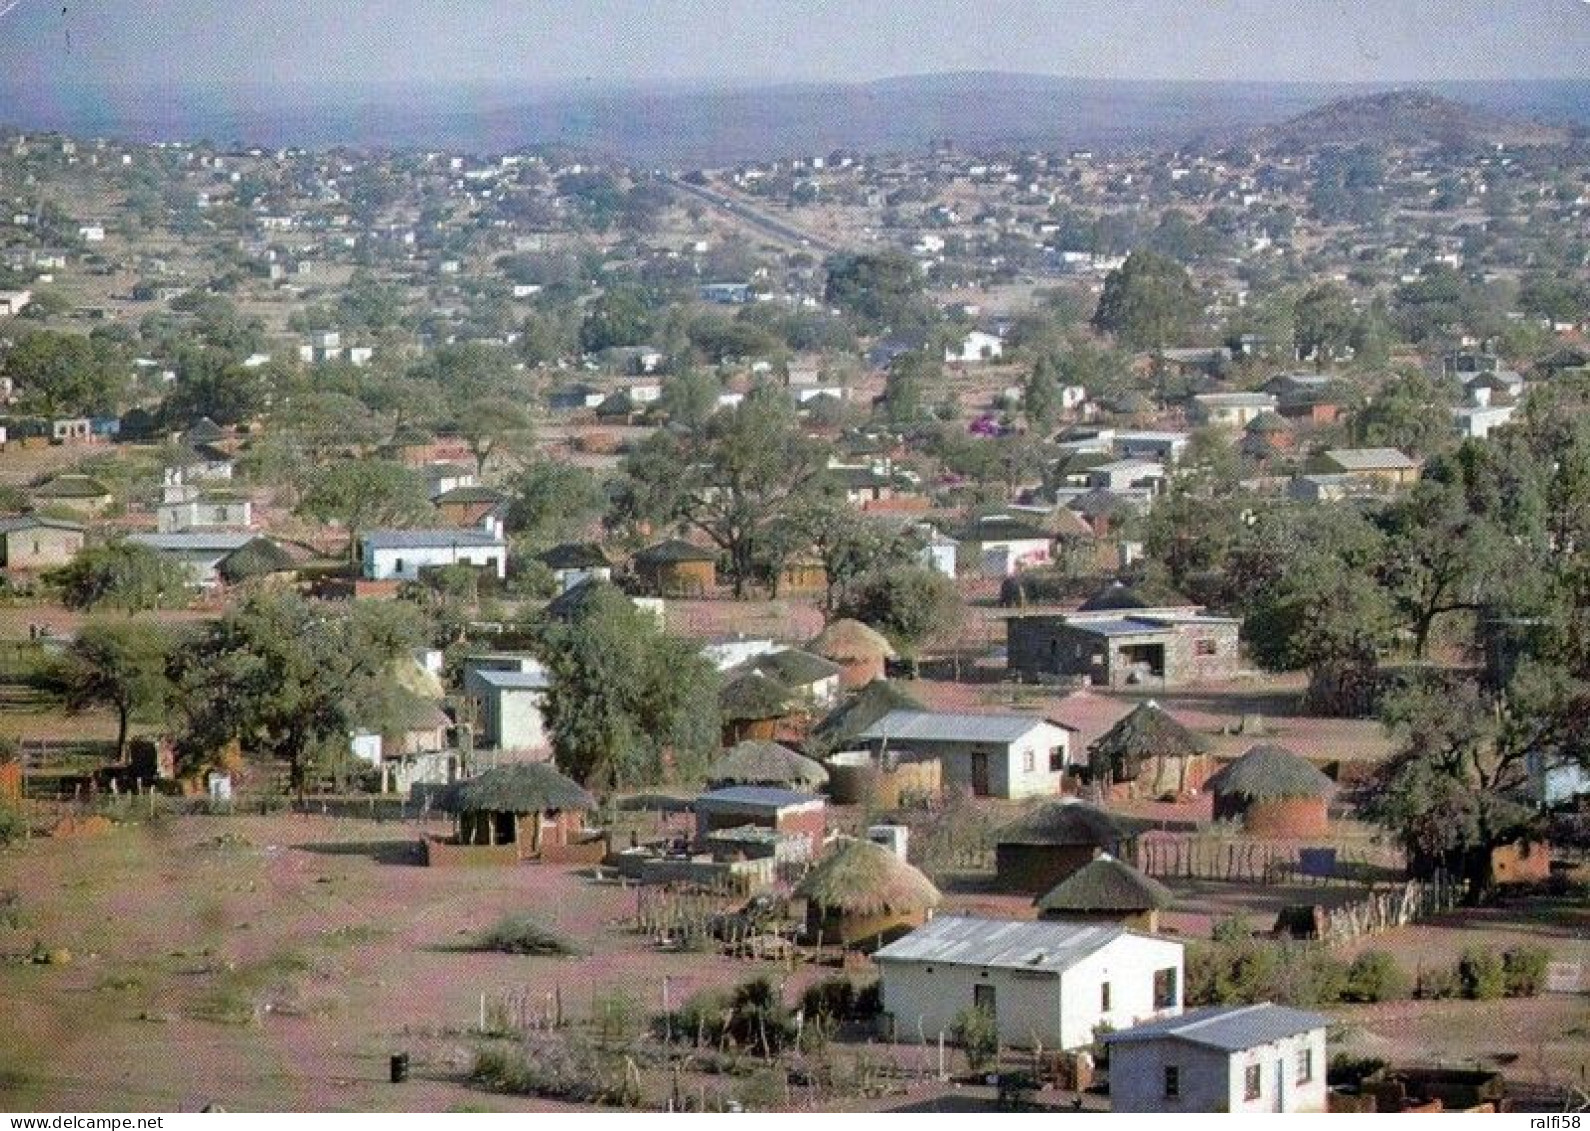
(759, 762)
(1107, 890)
(1273, 792)
(520, 812)
(861, 652)
(677, 568)
(861, 894)
(1149, 754)
(1056, 840)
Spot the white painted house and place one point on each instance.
(1229, 1058)
(399, 555)
(509, 694)
(1046, 984)
(992, 755)
(978, 345)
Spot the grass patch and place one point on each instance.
(240, 994)
(525, 934)
(353, 935)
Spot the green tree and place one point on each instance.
(494, 426)
(59, 374)
(120, 665)
(284, 678)
(629, 704)
(1323, 323)
(910, 381)
(120, 575)
(909, 604)
(364, 493)
(551, 501)
(1410, 412)
(746, 469)
(1148, 302)
(1040, 397)
(880, 289)
(618, 317)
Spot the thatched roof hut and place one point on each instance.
(761, 762)
(862, 893)
(841, 725)
(1274, 792)
(254, 559)
(1107, 888)
(861, 652)
(530, 787)
(1058, 839)
(1142, 743)
(752, 705)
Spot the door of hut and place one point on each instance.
(980, 773)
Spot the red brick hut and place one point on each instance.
(527, 811)
(1055, 841)
(1274, 793)
(1148, 754)
(862, 895)
(760, 762)
(677, 568)
(862, 653)
(1107, 890)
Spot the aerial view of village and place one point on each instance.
(982, 591)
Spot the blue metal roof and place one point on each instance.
(758, 795)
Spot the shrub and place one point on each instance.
(1375, 975)
(832, 998)
(977, 1034)
(1437, 984)
(616, 1016)
(1350, 1071)
(1481, 975)
(869, 1000)
(524, 934)
(13, 826)
(1524, 971)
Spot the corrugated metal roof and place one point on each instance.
(1119, 626)
(1227, 1027)
(1005, 943)
(195, 542)
(512, 680)
(428, 539)
(758, 795)
(1369, 459)
(931, 726)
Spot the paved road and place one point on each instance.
(787, 233)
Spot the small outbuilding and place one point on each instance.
(862, 653)
(760, 762)
(1149, 754)
(677, 568)
(1058, 839)
(1274, 793)
(861, 894)
(753, 705)
(785, 811)
(841, 726)
(526, 811)
(1107, 890)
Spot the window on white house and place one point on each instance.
(1205, 647)
(1305, 1065)
(1252, 1082)
(1057, 759)
(1172, 1081)
(983, 998)
(397, 566)
(1167, 991)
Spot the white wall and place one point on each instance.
(405, 564)
(1213, 1080)
(1031, 1006)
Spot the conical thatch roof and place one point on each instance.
(1148, 732)
(1106, 885)
(1069, 824)
(529, 787)
(1268, 772)
(860, 711)
(752, 695)
(857, 877)
(846, 640)
(757, 762)
(258, 557)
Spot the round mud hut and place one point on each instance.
(520, 812)
(1274, 793)
(752, 705)
(677, 568)
(862, 653)
(1107, 890)
(1148, 754)
(861, 895)
(1055, 841)
(760, 762)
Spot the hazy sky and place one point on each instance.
(199, 42)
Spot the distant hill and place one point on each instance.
(1404, 117)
